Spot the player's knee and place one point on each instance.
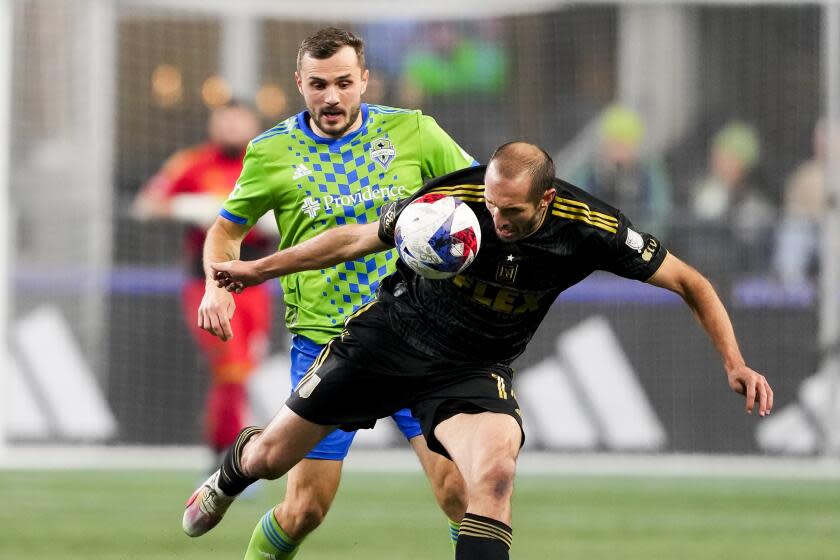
(302, 515)
(260, 460)
(495, 478)
(451, 492)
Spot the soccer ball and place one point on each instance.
(438, 236)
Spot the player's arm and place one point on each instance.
(700, 296)
(334, 246)
(223, 242)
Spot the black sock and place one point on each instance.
(483, 538)
(232, 480)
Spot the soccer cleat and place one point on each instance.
(206, 507)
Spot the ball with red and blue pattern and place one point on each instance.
(437, 235)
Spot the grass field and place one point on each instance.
(92, 515)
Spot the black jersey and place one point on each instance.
(489, 312)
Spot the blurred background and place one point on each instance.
(712, 124)
(709, 124)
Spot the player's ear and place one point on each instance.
(299, 82)
(548, 197)
(365, 76)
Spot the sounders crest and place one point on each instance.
(382, 151)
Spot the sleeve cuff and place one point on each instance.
(232, 217)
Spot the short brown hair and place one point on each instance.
(326, 42)
(515, 158)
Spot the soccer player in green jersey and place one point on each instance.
(336, 163)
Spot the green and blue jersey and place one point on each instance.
(313, 183)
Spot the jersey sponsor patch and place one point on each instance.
(634, 240)
(339, 203)
(310, 206)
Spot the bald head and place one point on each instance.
(518, 189)
(515, 159)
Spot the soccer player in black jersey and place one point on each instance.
(444, 347)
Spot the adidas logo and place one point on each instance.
(809, 425)
(567, 406)
(301, 171)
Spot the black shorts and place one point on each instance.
(370, 373)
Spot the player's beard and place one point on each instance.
(353, 114)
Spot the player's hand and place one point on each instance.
(235, 276)
(749, 382)
(216, 311)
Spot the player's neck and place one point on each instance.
(538, 224)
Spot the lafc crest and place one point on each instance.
(382, 151)
(506, 271)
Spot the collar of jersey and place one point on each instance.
(334, 143)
